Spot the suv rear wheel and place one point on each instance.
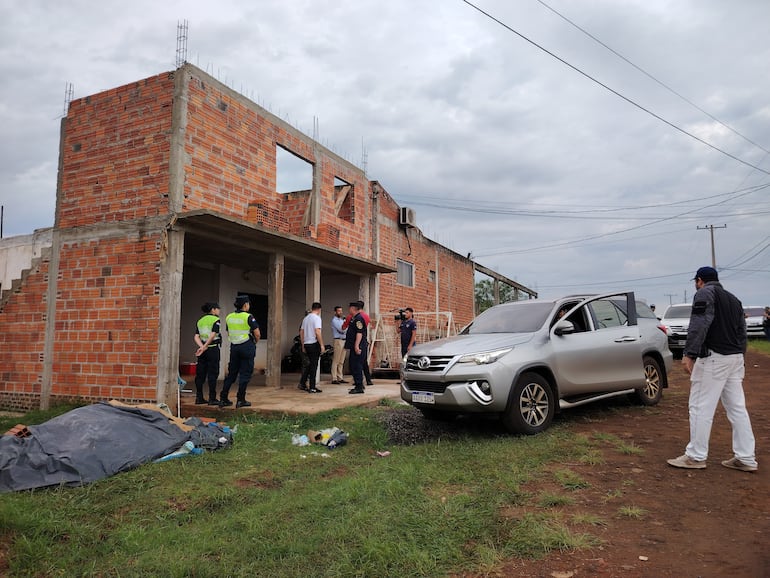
(651, 393)
(532, 405)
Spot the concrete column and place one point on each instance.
(312, 284)
(495, 292)
(275, 277)
(177, 154)
(363, 292)
(171, 267)
(313, 293)
(50, 323)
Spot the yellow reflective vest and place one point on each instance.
(238, 327)
(205, 325)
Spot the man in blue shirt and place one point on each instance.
(338, 361)
(408, 331)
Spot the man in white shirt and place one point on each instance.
(312, 344)
(338, 361)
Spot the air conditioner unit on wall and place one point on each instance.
(407, 217)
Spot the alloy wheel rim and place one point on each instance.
(533, 404)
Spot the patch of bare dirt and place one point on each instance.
(656, 520)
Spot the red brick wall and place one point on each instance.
(231, 144)
(115, 154)
(454, 273)
(22, 342)
(107, 318)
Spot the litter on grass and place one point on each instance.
(332, 437)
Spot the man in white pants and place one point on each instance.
(713, 356)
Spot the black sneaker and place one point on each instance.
(243, 403)
(301, 386)
(225, 402)
(369, 383)
(213, 401)
(343, 381)
(314, 390)
(356, 390)
(201, 401)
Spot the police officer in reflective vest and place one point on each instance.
(208, 337)
(356, 342)
(243, 333)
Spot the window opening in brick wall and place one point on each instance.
(404, 273)
(432, 276)
(292, 173)
(343, 199)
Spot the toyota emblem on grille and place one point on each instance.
(423, 362)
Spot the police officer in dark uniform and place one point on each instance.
(208, 337)
(356, 342)
(243, 333)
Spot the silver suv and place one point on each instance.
(677, 320)
(524, 360)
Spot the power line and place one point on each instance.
(611, 233)
(510, 208)
(615, 92)
(651, 77)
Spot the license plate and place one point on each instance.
(682, 342)
(423, 397)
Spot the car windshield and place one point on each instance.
(679, 311)
(514, 318)
(754, 311)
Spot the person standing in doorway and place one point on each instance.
(243, 333)
(713, 356)
(408, 331)
(208, 338)
(356, 342)
(312, 344)
(338, 361)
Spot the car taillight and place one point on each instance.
(663, 328)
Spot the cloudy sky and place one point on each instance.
(504, 151)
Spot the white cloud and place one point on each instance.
(452, 106)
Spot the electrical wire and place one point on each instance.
(651, 77)
(611, 233)
(615, 92)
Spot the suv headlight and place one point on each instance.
(484, 357)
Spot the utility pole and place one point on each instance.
(670, 295)
(713, 253)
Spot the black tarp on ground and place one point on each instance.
(86, 444)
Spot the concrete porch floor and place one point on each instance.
(288, 399)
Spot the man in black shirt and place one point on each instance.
(713, 356)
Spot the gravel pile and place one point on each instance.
(407, 427)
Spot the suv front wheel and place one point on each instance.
(532, 405)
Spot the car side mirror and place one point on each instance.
(564, 327)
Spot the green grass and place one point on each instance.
(570, 480)
(633, 512)
(760, 346)
(630, 449)
(588, 520)
(267, 508)
(549, 500)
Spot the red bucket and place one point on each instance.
(187, 369)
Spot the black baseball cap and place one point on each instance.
(706, 274)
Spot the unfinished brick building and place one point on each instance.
(166, 198)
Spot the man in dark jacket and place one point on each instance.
(713, 356)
